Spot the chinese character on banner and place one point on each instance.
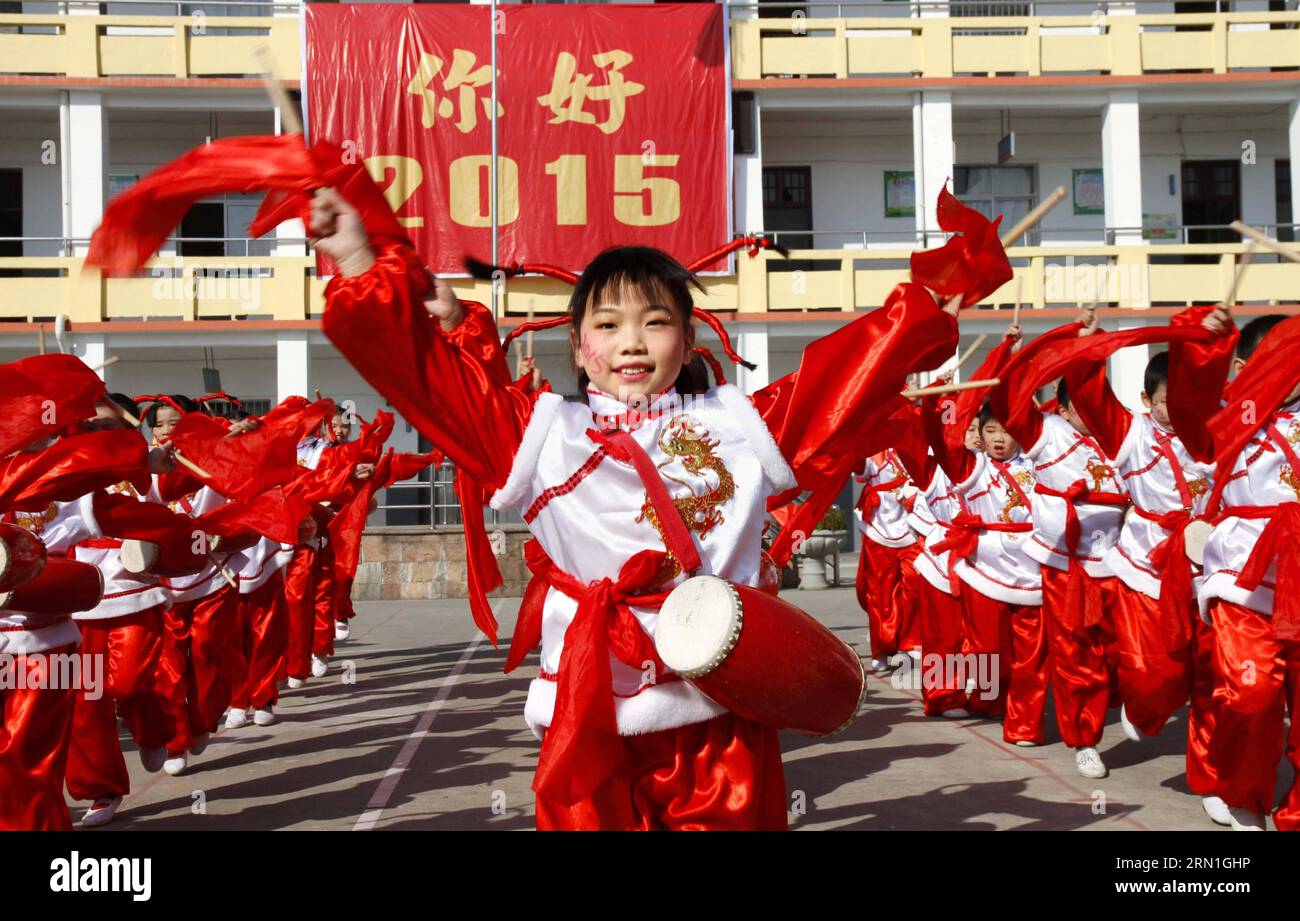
(570, 90)
(463, 77)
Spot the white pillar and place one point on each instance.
(85, 150)
(933, 157)
(292, 364)
(751, 343)
(1121, 163)
(93, 350)
(748, 182)
(1127, 367)
(289, 230)
(1293, 145)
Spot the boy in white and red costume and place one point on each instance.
(572, 472)
(1251, 583)
(887, 580)
(1165, 651)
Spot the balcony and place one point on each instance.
(823, 281)
(143, 42)
(1125, 42)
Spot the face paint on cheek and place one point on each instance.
(595, 364)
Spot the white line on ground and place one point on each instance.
(375, 808)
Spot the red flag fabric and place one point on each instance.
(44, 395)
(1253, 396)
(246, 465)
(274, 514)
(972, 263)
(138, 220)
(72, 467)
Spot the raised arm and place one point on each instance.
(1198, 376)
(1106, 417)
(437, 360)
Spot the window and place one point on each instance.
(1010, 191)
(1282, 194)
(11, 215)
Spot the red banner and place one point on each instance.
(611, 123)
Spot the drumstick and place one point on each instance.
(40, 332)
(1236, 276)
(1015, 311)
(979, 340)
(1265, 241)
(950, 388)
(289, 121)
(1033, 217)
(111, 360)
(180, 458)
(225, 573)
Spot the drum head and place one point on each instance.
(699, 624)
(1194, 538)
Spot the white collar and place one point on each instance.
(609, 411)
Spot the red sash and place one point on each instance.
(1077, 613)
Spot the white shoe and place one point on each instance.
(1026, 743)
(319, 667)
(1089, 764)
(153, 759)
(1130, 730)
(264, 717)
(880, 665)
(341, 630)
(236, 718)
(915, 654)
(200, 744)
(1245, 820)
(1217, 810)
(175, 766)
(956, 713)
(295, 683)
(102, 811)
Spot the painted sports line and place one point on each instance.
(379, 801)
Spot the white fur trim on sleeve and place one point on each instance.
(759, 437)
(530, 449)
(86, 508)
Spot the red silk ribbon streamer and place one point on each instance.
(963, 535)
(1169, 557)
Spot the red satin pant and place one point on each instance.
(1010, 641)
(132, 651)
(203, 658)
(725, 773)
(1201, 777)
(1154, 658)
(939, 615)
(888, 590)
(300, 600)
(1083, 658)
(264, 622)
(37, 724)
(325, 603)
(1257, 681)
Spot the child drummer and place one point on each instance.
(620, 749)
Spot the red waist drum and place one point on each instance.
(759, 656)
(172, 557)
(63, 587)
(22, 556)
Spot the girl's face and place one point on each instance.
(165, 421)
(631, 346)
(998, 442)
(973, 441)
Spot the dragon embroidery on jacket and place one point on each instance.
(685, 440)
(1015, 497)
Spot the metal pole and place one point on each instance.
(492, 207)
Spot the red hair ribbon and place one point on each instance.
(219, 395)
(160, 398)
(755, 243)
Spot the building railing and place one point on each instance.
(847, 278)
(430, 503)
(1091, 42)
(182, 46)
